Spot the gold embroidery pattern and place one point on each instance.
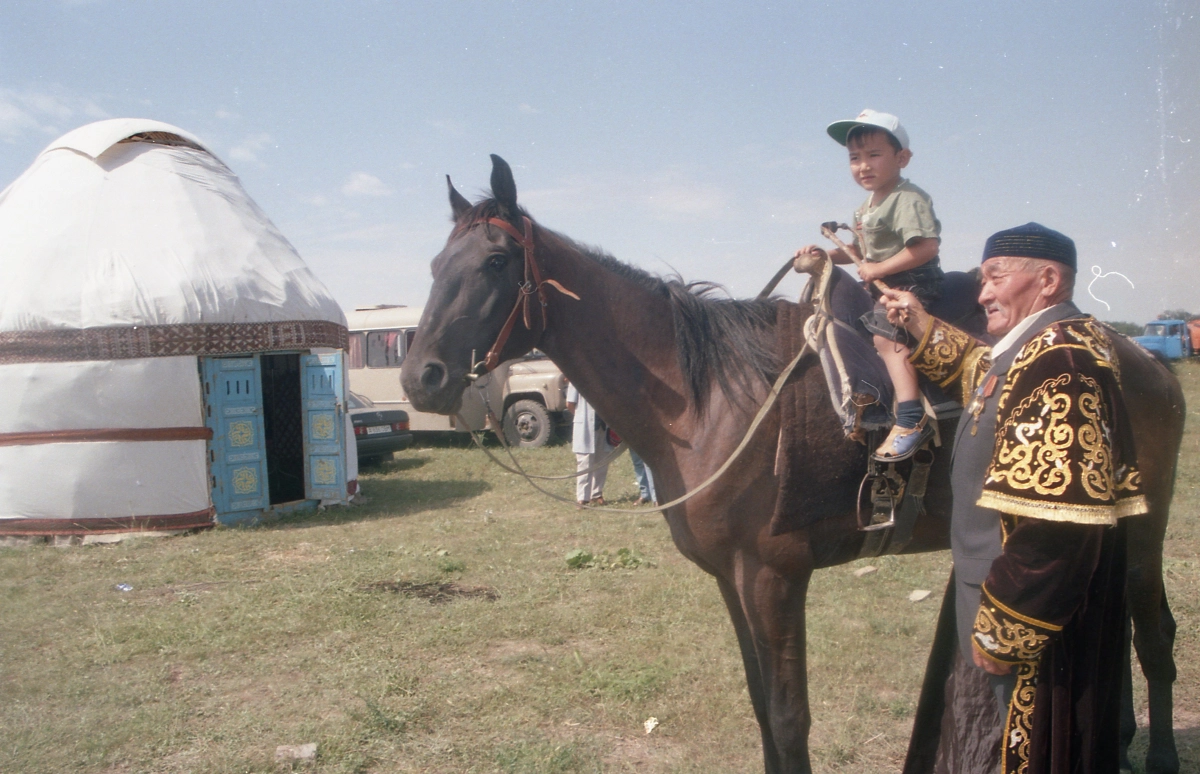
(1129, 480)
(1032, 454)
(940, 355)
(977, 363)
(1027, 354)
(1095, 439)
(1093, 339)
(1018, 726)
(1006, 639)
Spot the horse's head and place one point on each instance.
(478, 281)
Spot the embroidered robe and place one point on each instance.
(1036, 525)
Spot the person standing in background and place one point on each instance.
(590, 443)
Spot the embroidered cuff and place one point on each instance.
(941, 354)
(1006, 636)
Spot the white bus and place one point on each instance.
(530, 393)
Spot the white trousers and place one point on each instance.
(589, 486)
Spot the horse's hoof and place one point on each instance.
(1162, 763)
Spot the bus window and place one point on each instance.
(384, 349)
(354, 358)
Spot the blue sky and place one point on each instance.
(681, 137)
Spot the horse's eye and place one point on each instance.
(497, 262)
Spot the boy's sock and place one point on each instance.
(909, 413)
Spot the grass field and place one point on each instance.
(338, 628)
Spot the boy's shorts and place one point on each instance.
(925, 282)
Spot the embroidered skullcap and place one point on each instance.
(1033, 240)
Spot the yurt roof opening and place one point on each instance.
(167, 360)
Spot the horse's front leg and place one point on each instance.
(754, 678)
(771, 603)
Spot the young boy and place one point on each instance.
(900, 234)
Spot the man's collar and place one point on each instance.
(1014, 336)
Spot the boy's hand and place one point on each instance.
(809, 258)
(870, 272)
(904, 310)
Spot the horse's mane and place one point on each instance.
(719, 339)
(726, 340)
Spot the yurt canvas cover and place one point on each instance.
(148, 309)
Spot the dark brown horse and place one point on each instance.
(680, 375)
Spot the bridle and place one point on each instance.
(533, 284)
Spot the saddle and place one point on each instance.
(889, 496)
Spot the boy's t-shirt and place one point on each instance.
(906, 214)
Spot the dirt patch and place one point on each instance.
(648, 754)
(436, 593)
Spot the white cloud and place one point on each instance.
(44, 112)
(249, 148)
(692, 200)
(364, 184)
(525, 107)
(224, 114)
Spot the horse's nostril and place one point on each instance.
(433, 377)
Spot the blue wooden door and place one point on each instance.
(323, 397)
(237, 451)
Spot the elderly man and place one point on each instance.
(1042, 474)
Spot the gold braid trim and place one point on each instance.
(977, 363)
(1018, 725)
(941, 353)
(1105, 515)
(1014, 614)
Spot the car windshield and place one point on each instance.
(356, 401)
(1156, 330)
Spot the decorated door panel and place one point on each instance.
(237, 451)
(323, 396)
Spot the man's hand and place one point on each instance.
(989, 666)
(869, 272)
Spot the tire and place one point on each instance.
(527, 424)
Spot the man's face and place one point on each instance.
(1011, 292)
(874, 164)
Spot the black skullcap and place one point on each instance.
(1033, 240)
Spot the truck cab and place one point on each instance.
(1167, 339)
(528, 393)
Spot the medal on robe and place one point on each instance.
(981, 395)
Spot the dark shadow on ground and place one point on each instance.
(401, 463)
(1187, 742)
(387, 499)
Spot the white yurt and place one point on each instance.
(167, 360)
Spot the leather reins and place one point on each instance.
(533, 284)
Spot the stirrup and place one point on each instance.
(900, 445)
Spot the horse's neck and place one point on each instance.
(616, 344)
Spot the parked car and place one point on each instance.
(1167, 339)
(528, 394)
(377, 432)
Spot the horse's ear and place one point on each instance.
(504, 188)
(458, 202)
